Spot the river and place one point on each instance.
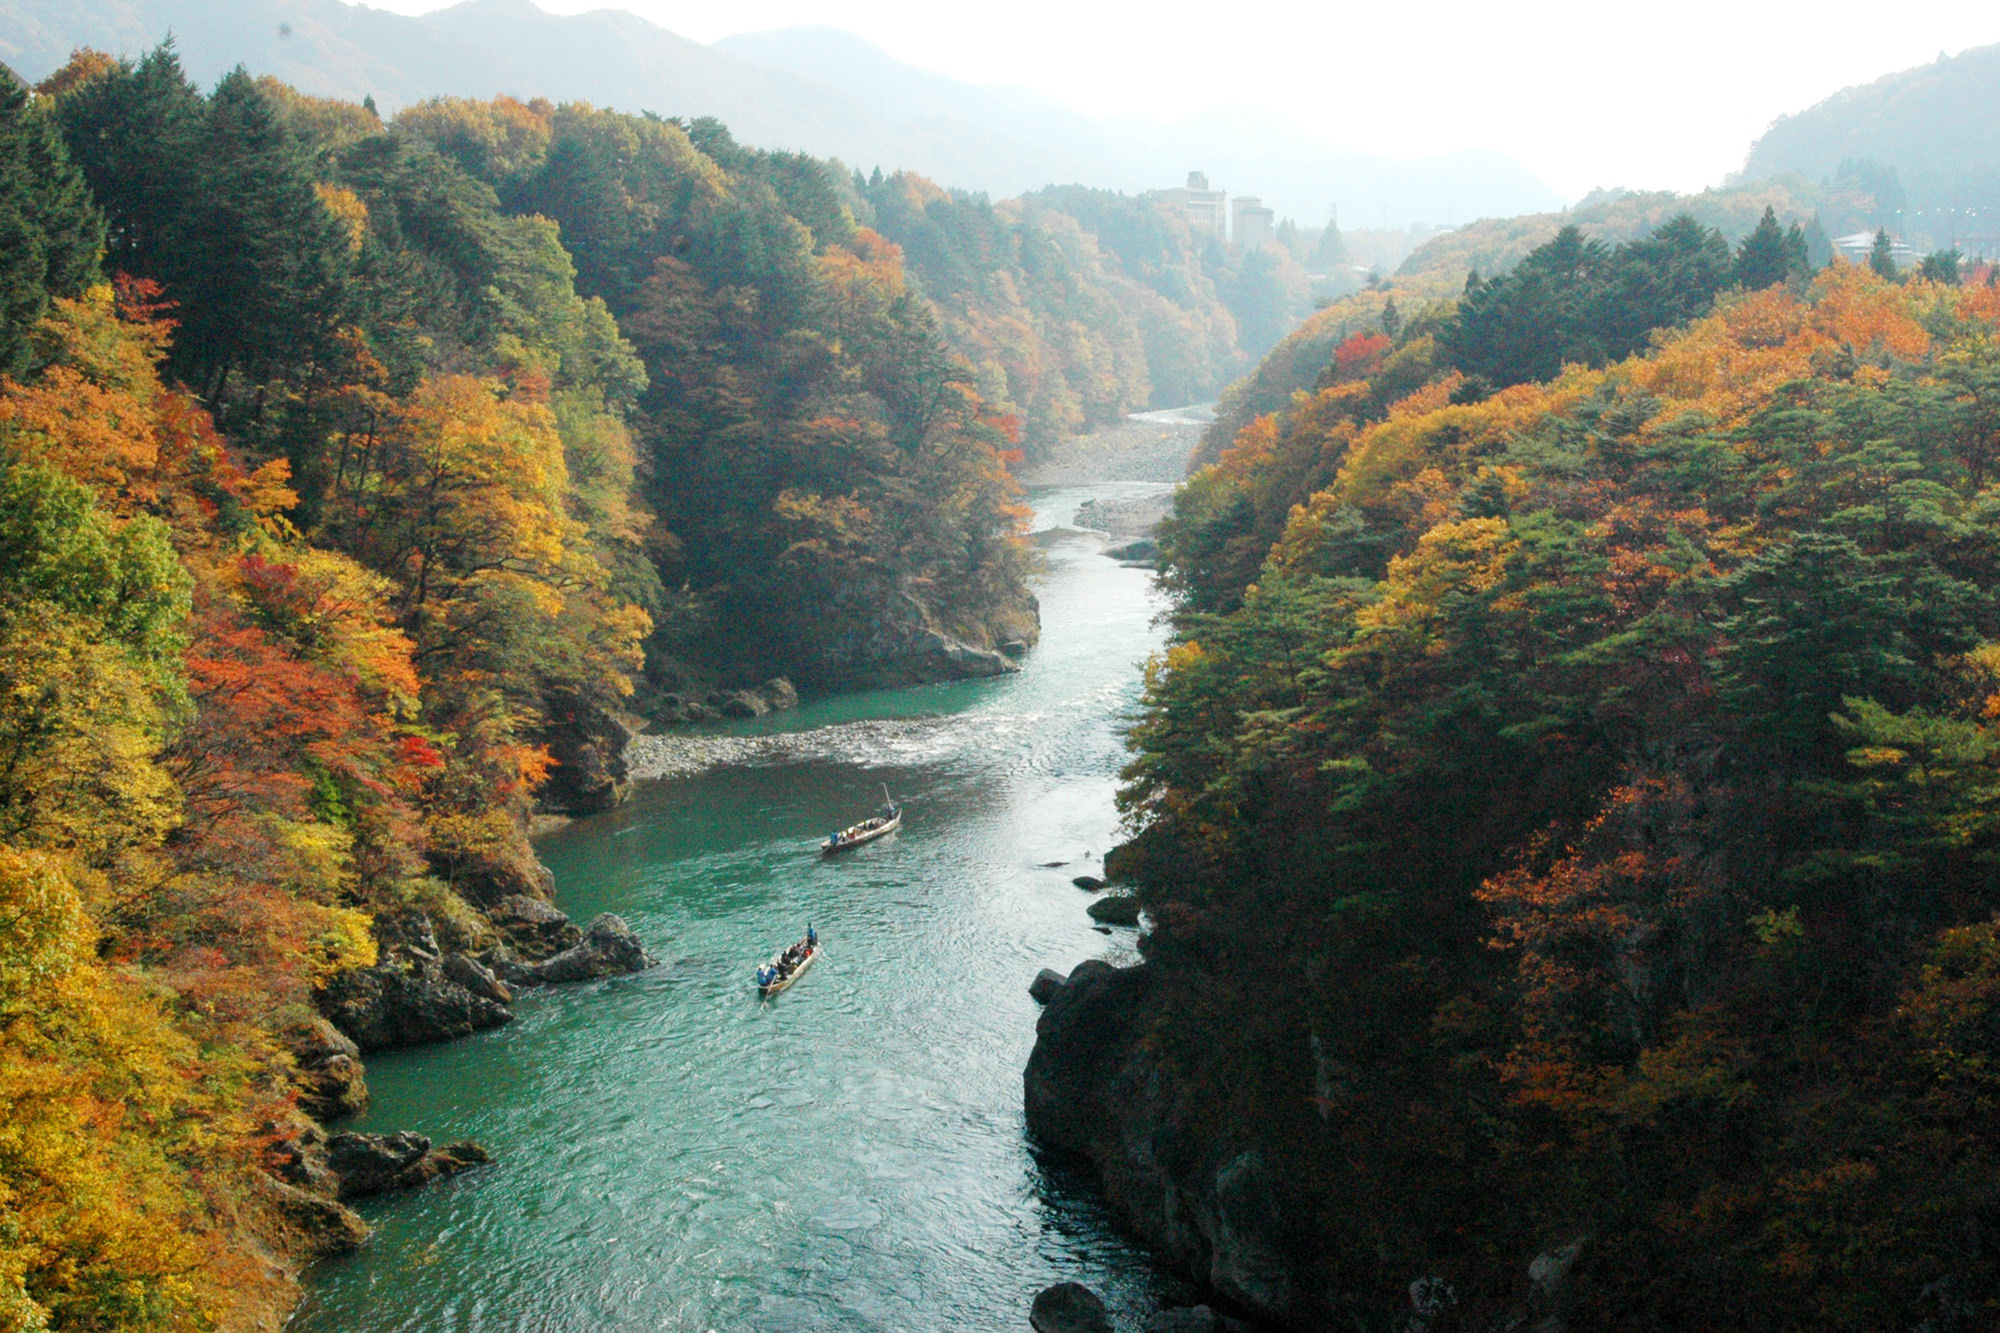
(673, 1153)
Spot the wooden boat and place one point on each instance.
(784, 979)
(884, 822)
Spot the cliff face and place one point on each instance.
(902, 641)
(1259, 1204)
(1096, 1089)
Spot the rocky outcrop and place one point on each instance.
(418, 993)
(1069, 1307)
(365, 1164)
(477, 978)
(1094, 1090)
(1144, 552)
(1089, 883)
(608, 948)
(406, 1000)
(309, 1179)
(1191, 1319)
(304, 1224)
(329, 1076)
(587, 742)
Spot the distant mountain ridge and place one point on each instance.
(819, 90)
(1937, 127)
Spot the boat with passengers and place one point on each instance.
(884, 822)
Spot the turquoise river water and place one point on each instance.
(673, 1153)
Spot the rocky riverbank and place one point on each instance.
(443, 970)
(1146, 446)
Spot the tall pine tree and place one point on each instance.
(49, 229)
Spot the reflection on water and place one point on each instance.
(673, 1153)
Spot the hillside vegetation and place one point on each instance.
(1566, 815)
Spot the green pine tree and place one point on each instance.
(1882, 256)
(1765, 257)
(50, 231)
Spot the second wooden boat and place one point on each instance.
(885, 821)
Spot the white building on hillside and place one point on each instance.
(1206, 209)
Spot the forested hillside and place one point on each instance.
(1566, 816)
(1914, 151)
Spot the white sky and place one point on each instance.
(1668, 94)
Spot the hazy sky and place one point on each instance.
(1662, 95)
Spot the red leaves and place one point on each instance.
(1360, 356)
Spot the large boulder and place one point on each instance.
(1069, 1307)
(608, 948)
(1116, 909)
(405, 1003)
(476, 978)
(1095, 1088)
(779, 693)
(739, 703)
(407, 930)
(894, 639)
(366, 1164)
(533, 927)
(1190, 1319)
(1045, 985)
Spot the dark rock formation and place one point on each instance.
(366, 1164)
(1069, 1307)
(329, 1081)
(1088, 883)
(1196, 1319)
(608, 948)
(405, 1002)
(1093, 1090)
(1117, 909)
(299, 1160)
(1045, 985)
(587, 742)
(779, 694)
(533, 927)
